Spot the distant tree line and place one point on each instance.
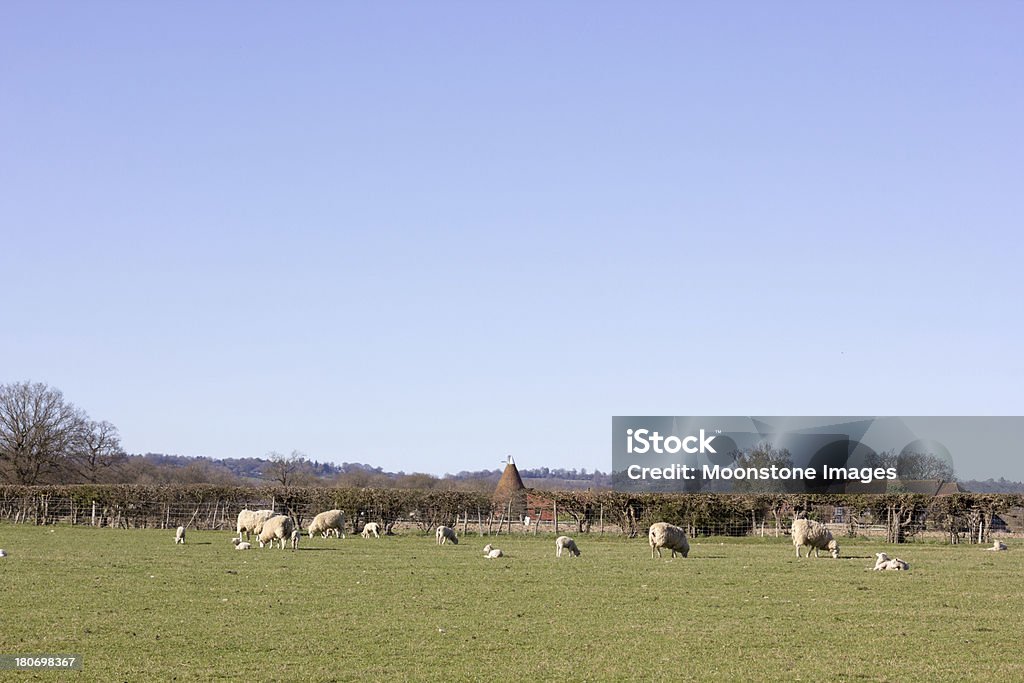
(45, 439)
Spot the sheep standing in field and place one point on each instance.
(492, 553)
(998, 546)
(445, 534)
(296, 534)
(371, 529)
(884, 563)
(277, 528)
(251, 521)
(331, 521)
(179, 535)
(566, 543)
(814, 535)
(665, 535)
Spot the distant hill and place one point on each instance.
(164, 468)
(1000, 485)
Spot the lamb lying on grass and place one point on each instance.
(665, 535)
(998, 546)
(371, 529)
(492, 553)
(814, 535)
(179, 535)
(885, 563)
(445, 534)
(566, 543)
(242, 545)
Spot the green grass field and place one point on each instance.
(139, 608)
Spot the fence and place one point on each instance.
(958, 518)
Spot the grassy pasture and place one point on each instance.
(139, 608)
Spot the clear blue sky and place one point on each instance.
(428, 235)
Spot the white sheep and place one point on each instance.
(278, 528)
(492, 553)
(371, 528)
(179, 535)
(445, 534)
(884, 562)
(251, 521)
(296, 535)
(3, 553)
(242, 545)
(331, 521)
(665, 535)
(566, 543)
(814, 535)
(998, 545)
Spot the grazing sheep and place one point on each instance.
(665, 535)
(242, 545)
(814, 535)
(371, 528)
(492, 553)
(445, 534)
(296, 535)
(252, 521)
(277, 528)
(884, 562)
(566, 543)
(179, 536)
(998, 546)
(331, 521)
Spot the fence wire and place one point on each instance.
(478, 515)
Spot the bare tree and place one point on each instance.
(911, 465)
(284, 468)
(762, 455)
(39, 432)
(99, 451)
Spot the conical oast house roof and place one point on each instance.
(511, 486)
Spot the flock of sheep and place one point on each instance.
(270, 527)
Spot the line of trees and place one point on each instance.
(46, 439)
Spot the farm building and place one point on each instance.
(510, 489)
